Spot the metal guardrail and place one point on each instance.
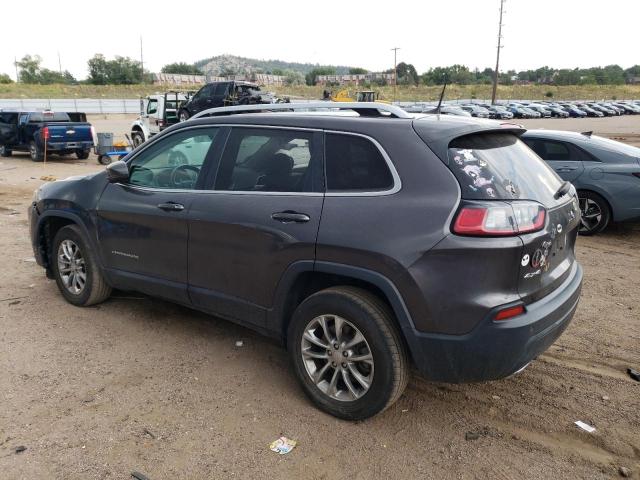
(87, 105)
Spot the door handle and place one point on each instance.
(290, 217)
(171, 207)
(566, 169)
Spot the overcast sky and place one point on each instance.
(558, 33)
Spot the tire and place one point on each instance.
(4, 151)
(34, 152)
(82, 154)
(386, 372)
(183, 115)
(104, 159)
(596, 213)
(94, 289)
(137, 138)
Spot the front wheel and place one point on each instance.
(76, 270)
(347, 353)
(595, 211)
(137, 138)
(4, 151)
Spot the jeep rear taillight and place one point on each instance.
(500, 219)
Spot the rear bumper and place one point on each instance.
(495, 350)
(71, 145)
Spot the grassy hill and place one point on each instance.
(404, 93)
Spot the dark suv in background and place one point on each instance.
(222, 94)
(363, 242)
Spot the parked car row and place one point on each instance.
(541, 109)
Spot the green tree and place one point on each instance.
(119, 71)
(30, 71)
(357, 71)
(98, 70)
(4, 78)
(310, 78)
(29, 68)
(407, 74)
(181, 68)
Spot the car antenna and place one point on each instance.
(444, 86)
(588, 134)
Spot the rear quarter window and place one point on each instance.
(355, 163)
(499, 166)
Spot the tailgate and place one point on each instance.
(69, 132)
(548, 255)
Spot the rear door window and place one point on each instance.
(267, 160)
(499, 166)
(355, 164)
(556, 151)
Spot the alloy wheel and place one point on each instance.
(591, 214)
(71, 267)
(337, 357)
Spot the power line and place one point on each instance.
(496, 73)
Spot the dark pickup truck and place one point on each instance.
(58, 133)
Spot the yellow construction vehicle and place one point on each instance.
(361, 96)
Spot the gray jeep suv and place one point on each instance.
(364, 242)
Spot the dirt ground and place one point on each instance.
(138, 384)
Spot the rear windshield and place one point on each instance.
(609, 144)
(49, 117)
(499, 166)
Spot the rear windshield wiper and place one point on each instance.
(563, 190)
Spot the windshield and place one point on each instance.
(499, 166)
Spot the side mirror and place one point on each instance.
(118, 172)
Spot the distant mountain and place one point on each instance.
(234, 65)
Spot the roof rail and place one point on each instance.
(364, 109)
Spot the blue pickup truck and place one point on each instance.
(45, 132)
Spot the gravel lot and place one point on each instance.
(138, 384)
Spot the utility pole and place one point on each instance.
(59, 64)
(15, 63)
(395, 70)
(496, 73)
(141, 61)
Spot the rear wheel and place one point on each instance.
(595, 211)
(82, 154)
(34, 152)
(347, 354)
(76, 270)
(104, 159)
(4, 151)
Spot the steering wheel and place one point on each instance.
(182, 170)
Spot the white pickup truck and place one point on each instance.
(157, 112)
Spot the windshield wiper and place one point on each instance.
(563, 190)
